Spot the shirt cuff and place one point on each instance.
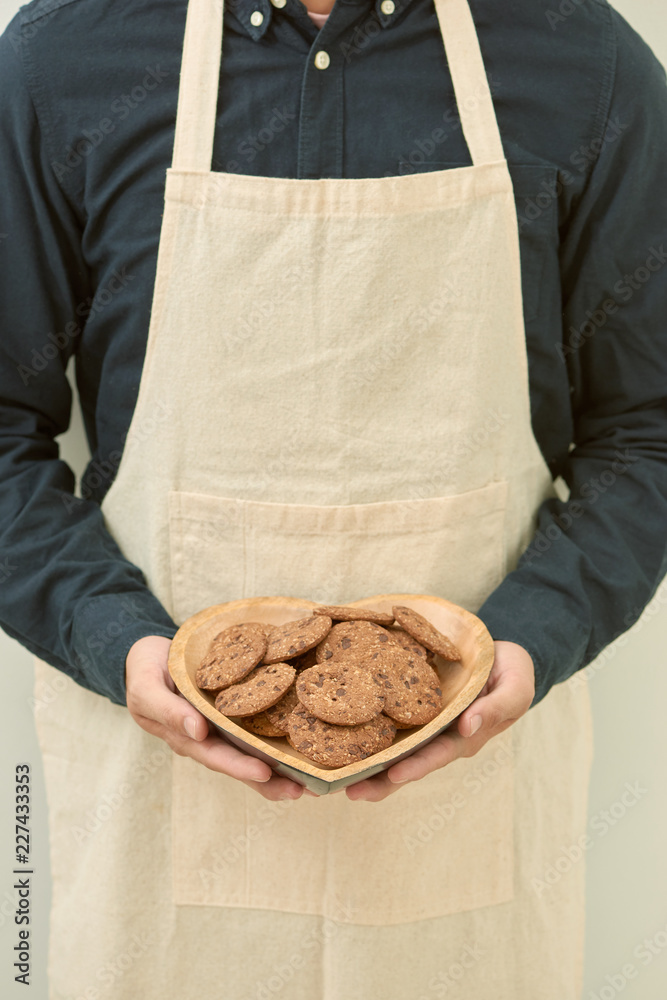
(542, 621)
(104, 629)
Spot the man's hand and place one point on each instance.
(156, 706)
(506, 696)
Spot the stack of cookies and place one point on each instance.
(337, 692)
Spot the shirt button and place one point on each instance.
(322, 59)
(278, 3)
(256, 18)
(387, 6)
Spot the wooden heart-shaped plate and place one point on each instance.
(461, 681)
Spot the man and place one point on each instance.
(280, 305)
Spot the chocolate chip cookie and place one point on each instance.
(409, 643)
(353, 640)
(412, 692)
(425, 633)
(308, 659)
(294, 638)
(343, 613)
(258, 724)
(336, 746)
(263, 687)
(233, 653)
(264, 626)
(277, 714)
(340, 692)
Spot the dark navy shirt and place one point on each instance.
(88, 92)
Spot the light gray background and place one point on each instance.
(627, 862)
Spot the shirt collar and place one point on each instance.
(247, 11)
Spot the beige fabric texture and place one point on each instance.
(334, 403)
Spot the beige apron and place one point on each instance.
(345, 365)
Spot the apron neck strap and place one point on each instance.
(200, 76)
(198, 87)
(471, 87)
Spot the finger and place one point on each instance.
(438, 753)
(505, 702)
(443, 750)
(214, 753)
(152, 699)
(277, 788)
(373, 789)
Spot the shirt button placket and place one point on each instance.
(321, 125)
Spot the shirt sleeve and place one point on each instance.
(598, 557)
(66, 591)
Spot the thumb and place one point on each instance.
(507, 695)
(151, 693)
(504, 703)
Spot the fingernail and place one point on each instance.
(190, 726)
(475, 724)
(262, 779)
(397, 781)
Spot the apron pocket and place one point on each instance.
(224, 549)
(438, 846)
